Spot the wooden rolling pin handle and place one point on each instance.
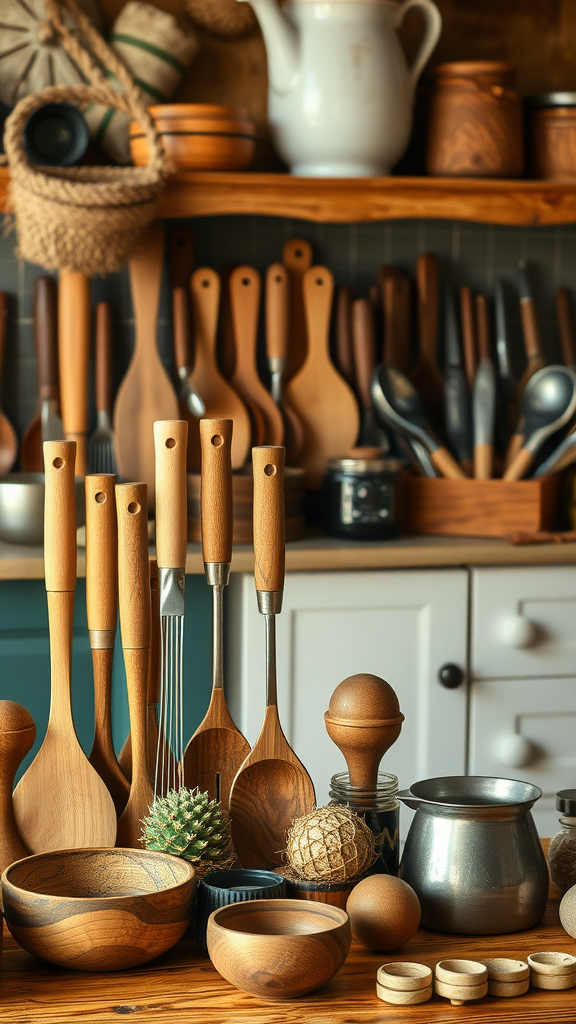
(364, 345)
(269, 527)
(60, 516)
(245, 300)
(216, 493)
(483, 327)
(170, 443)
(519, 465)
(428, 279)
(103, 368)
(45, 304)
(133, 569)
(447, 465)
(532, 343)
(154, 664)
(565, 326)
(205, 288)
(101, 553)
(277, 311)
(181, 317)
(318, 288)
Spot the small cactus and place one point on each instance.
(186, 823)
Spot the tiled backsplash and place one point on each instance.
(470, 254)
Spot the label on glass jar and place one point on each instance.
(366, 501)
(384, 825)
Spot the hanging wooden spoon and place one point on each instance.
(344, 345)
(426, 376)
(61, 802)
(220, 399)
(102, 615)
(8, 439)
(396, 304)
(272, 787)
(321, 398)
(297, 256)
(217, 748)
(277, 331)
(134, 593)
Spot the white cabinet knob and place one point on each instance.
(518, 631)
(516, 751)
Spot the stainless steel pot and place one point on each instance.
(473, 855)
(22, 507)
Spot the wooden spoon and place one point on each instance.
(396, 305)
(426, 376)
(217, 748)
(74, 319)
(17, 735)
(321, 398)
(102, 616)
(61, 802)
(46, 425)
(297, 256)
(8, 439)
(134, 593)
(146, 393)
(344, 345)
(220, 399)
(277, 332)
(272, 787)
(530, 329)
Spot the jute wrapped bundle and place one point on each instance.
(83, 219)
(330, 844)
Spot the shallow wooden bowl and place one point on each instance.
(198, 111)
(96, 909)
(278, 949)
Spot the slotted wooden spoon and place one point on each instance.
(217, 748)
(61, 802)
(272, 787)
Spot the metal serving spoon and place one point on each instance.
(548, 403)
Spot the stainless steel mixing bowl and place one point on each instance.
(22, 507)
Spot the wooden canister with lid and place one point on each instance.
(553, 136)
(475, 121)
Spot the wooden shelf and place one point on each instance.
(349, 200)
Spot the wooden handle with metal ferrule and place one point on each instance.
(467, 320)
(45, 307)
(170, 443)
(447, 465)
(364, 342)
(530, 329)
(245, 301)
(103, 366)
(205, 289)
(181, 318)
(428, 279)
(73, 358)
(519, 465)
(318, 288)
(133, 569)
(269, 528)
(277, 311)
(101, 552)
(60, 516)
(483, 327)
(216, 492)
(565, 326)
(344, 345)
(154, 663)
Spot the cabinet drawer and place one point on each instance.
(524, 729)
(523, 622)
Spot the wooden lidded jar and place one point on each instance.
(553, 136)
(475, 121)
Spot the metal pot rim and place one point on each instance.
(477, 793)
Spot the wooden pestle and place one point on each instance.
(363, 720)
(17, 734)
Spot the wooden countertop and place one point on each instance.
(314, 553)
(182, 987)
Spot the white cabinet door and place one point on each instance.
(534, 719)
(401, 625)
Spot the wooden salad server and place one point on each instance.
(17, 735)
(61, 802)
(102, 616)
(217, 748)
(297, 257)
(272, 787)
(134, 595)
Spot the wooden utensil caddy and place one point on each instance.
(480, 508)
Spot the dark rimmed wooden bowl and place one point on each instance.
(98, 909)
(278, 949)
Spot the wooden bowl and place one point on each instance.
(198, 111)
(98, 909)
(198, 142)
(278, 949)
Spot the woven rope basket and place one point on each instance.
(83, 219)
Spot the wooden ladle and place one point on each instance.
(363, 720)
(272, 787)
(17, 734)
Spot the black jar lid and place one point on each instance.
(358, 466)
(552, 99)
(566, 802)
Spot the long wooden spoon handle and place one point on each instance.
(45, 307)
(101, 559)
(154, 664)
(74, 356)
(344, 344)
(60, 516)
(297, 256)
(277, 311)
(483, 327)
(396, 300)
(103, 366)
(180, 255)
(318, 288)
(170, 441)
(519, 466)
(133, 570)
(269, 527)
(468, 322)
(364, 342)
(245, 300)
(428, 279)
(181, 318)
(565, 326)
(216, 493)
(448, 466)
(530, 329)
(205, 288)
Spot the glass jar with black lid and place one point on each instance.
(360, 495)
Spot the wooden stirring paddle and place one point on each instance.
(61, 802)
(272, 787)
(217, 748)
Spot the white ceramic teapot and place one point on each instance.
(340, 92)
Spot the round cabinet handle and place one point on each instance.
(520, 632)
(451, 676)
(516, 751)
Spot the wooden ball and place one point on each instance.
(14, 718)
(384, 912)
(568, 911)
(364, 696)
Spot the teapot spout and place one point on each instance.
(282, 42)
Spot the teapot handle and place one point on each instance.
(433, 20)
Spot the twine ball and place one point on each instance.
(384, 912)
(330, 844)
(364, 696)
(568, 911)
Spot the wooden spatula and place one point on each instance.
(320, 397)
(297, 256)
(146, 393)
(61, 802)
(426, 376)
(272, 787)
(217, 748)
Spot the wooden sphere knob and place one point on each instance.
(363, 696)
(363, 720)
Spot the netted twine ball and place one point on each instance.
(330, 844)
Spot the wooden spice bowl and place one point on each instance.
(98, 909)
(278, 949)
(403, 983)
(461, 981)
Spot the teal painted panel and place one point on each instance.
(25, 660)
